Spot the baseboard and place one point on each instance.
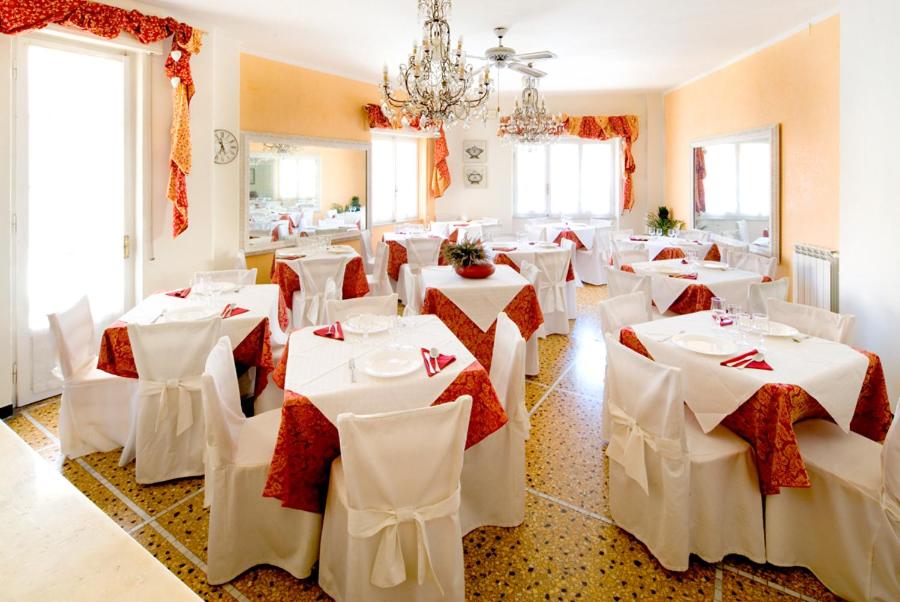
(6, 412)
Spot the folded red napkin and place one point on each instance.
(726, 322)
(685, 276)
(333, 331)
(684, 262)
(433, 366)
(738, 361)
(233, 310)
(180, 293)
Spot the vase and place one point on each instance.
(475, 271)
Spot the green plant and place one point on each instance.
(353, 205)
(662, 220)
(465, 253)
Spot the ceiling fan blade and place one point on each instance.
(534, 56)
(475, 56)
(526, 70)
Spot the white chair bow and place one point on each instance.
(389, 568)
(184, 386)
(626, 446)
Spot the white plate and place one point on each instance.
(715, 265)
(340, 249)
(367, 323)
(546, 245)
(188, 314)
(777, 329)
(705, 344)
(393, 362)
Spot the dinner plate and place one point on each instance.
(367, 323)
(217, 288)
(340, 249)
(393, 362)
(777, 329)
(705, 344)
(715, 265)
(188, 314)
(545, 245)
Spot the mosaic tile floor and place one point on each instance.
(567, 549)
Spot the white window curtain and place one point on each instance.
(395, 179)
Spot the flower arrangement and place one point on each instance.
(469, 259)
(663, 220)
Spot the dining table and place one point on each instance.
(661, 248)
(397, 254)
(579, 233)
(288, 280)
(792, 377)
(680, 286)
(326, 376)
(514, 254)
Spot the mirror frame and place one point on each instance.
(248, 136)
(773, 132)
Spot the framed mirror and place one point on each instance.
(736, 188)
(294, 184)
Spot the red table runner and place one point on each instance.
(569, 235)
(504, 259)
(696, 297)
(397, 257)
(524, 310)
(288, 281)
(308, 442)
(116, 356)
(766, 421)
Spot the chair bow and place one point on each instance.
(317, 299)
(389, 567)
(553, 297)
(626, 446)
(184, 386)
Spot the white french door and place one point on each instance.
(74, 180)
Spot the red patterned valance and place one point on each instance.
(699, 176)
(604, 128)
(440, 175)
(18, 16)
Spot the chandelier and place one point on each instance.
(530, 123)
(436, 87)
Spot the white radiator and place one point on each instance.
(815, 277)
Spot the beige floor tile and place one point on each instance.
(797, 579)
(560, 554)
(556, 353)
(588, 369)
(28, 432)
(270, 583)
(47, 413)
(564, 454)
(189, 523)
(736, 588)
(98, 493)
(533, 394)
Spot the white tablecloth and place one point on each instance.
(731, 284)
(481, 300)
(655, 244)
(526, 252)
(830, 372)
(549, 232)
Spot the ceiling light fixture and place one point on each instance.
(530, 122)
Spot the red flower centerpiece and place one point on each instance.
(469, 259)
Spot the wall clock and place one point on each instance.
(225, 147)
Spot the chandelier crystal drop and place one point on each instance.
(530, 123)
(436, 87)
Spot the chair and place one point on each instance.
(727, 246)
(420, 252)
(339, 311)
(550, 284)
(694, 234)
(238, 277)
(743, 233)
(240, 260)
(167, 436)
(845, 527)
(245, 528)
(321, 279)
(756, 298)
(493, 475)
(624, 310)
(678, 490)
(391, 529)
(813, 321)
(628, 257)
(365, 250)
(379, 281)
(753, 263)
(95, 411)
(622, 283)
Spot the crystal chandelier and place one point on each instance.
(436, 87)
(530, 123)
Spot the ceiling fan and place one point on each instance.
(504, 56)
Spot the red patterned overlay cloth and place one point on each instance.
(116, 356)
(288, 281)
(307, 442)
(397, 256)
(766, 421)
(569, 235)
(524, 310)
(504, 259)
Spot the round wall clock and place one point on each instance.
(225, 147)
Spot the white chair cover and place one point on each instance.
(620, 245)
(392, 529)
(624, 310)
(379, 281)
(240, 260)
(493, 475)
(96, 407)
(626, 257)
(743, 233)
(811, 320)
(589, 262)
(321, 279)
(339, 311)
(694, 234)
(420, 252)
(759, 293)
(245, 528)
(678, 490)
(167, 437)
(753, 263)
(552, 269)
(727, 246)
(238, 277)
(623, 283)
(846, 526)
(365, 250)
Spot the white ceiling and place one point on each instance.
(601, 44)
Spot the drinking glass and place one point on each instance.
(718, 308)
(744, 325)
(761, 328)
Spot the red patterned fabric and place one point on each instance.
(713, 254)
(524, 310)
(604, 128)
(307, 442)
(569, 235)
(116, 356)
(669, 253)
(288, 281)
(699, 176)
(397, 257)
(504, 259)
(18, 16)
(766, 421)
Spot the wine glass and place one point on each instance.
(718, 308)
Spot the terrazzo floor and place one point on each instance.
(567, 549)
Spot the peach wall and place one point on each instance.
(795, 82)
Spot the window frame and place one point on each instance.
(394, 138)
(615, 179)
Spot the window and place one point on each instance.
(298, 179)
(566, 178)
(395, 179)
(738, 179)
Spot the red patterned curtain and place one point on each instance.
(18, 16)
(440, 175)
(604, 128)
(699, 176)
